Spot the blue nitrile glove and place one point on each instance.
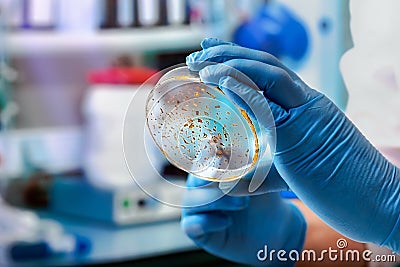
(272, 183)
(239, 228)
(321, 155)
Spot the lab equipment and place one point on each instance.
(79, 17)
(121, 206)
(148, 12)
(201, 128)
(107, 192)
(40, 249)
(108, 14)
(39, 14)
(23, 235)
(126, 13)
(237, 228)
(319, 152)
(39, 149)
(326, 26)
(135, 14)
(179, 12)
(103, 108)
(11, 14)
(162, 13)
(274, 29)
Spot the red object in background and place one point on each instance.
(120, 75)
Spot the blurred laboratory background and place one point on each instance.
(68, 70)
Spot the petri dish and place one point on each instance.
(203, 131)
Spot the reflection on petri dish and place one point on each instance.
(201, 130)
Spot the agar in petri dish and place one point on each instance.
(202, 131)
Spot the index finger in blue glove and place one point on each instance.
(196, 65)
(211, 42)
(227, 51)
(252, 101)
(248, 98)
(275, 82)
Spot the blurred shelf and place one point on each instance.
(162, 38)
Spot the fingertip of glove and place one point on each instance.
(212, 41)
(191, 62)
(192, 227)
(209, 42)
(189, 59)
(195, 57)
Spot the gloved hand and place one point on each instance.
(320, 154)
(272, 183)
(237, 228)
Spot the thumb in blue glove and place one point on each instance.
(237, 228)
(321, 155)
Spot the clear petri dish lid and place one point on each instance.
(203, 130)
(181, 73)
